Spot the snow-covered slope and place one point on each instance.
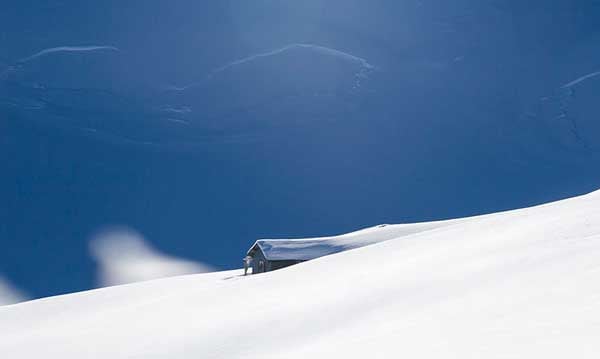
(518, 284)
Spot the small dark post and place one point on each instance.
(247, 260)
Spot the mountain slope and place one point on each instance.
(522, 284)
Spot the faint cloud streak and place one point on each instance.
(123, 256)
(67, 49)
(9, 294)
(365, 66)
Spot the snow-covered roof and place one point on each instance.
(311, 248)
(304, 249)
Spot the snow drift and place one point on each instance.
(518, 284)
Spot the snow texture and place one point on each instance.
(517, 284)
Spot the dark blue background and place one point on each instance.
(463, 115)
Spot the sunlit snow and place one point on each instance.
(517, 284)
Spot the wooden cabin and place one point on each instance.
(270, 254)
(263, 257)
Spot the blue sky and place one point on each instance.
(461, 111)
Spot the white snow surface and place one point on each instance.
(517, 284)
